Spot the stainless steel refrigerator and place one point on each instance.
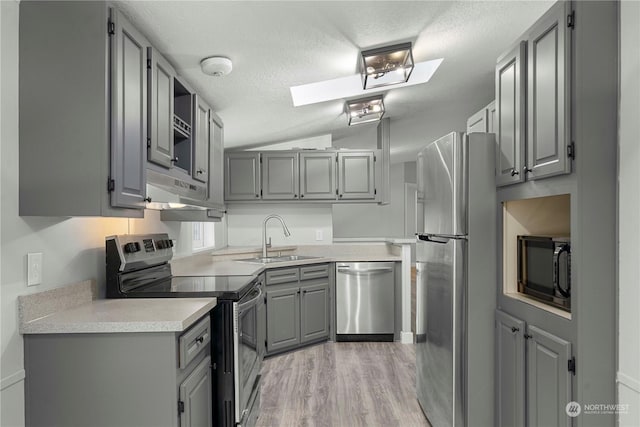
(456, 286)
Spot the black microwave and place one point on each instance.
(544, 269)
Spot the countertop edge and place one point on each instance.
(49, 325)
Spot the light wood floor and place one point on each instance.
(341, 384)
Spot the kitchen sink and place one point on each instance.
(268, 260)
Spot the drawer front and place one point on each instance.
(314, 271)
(284, 275)
(193, 341)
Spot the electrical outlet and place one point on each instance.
(34, 269)
(319, 236)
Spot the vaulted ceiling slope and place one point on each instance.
(276, 45)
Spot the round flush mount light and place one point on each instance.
(216, 66)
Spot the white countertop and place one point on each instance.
(123, 315)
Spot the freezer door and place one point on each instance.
(443, 173)
(440, 342)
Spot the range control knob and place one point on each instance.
(169, 243)
(132, 247)
(160, 244)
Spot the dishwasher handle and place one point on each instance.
(349, 270)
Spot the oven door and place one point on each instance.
(248, 358)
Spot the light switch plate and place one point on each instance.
(34, 269)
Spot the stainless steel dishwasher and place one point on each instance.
(365, 303)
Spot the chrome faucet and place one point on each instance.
(266, 244)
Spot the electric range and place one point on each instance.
(137, 266)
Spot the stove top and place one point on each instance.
(222, 287)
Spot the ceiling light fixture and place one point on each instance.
(386, 66)
(365, 110)
(216, 66)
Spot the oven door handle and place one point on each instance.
(253, 301)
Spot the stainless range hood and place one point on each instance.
(179, 200)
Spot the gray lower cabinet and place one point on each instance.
(216, 162)
(510, 370)
(146, 379)
(88, 157)
(533, 374)
(242, 176)
(283, 318)
(298, 306)
(314, 320)
(196, 395)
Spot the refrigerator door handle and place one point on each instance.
(439, 238)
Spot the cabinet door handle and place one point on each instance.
(295, 196)
(301, 196)
(514, 329)
(199, 171)
(527, 336)
(257, 195)
(340, 196)
(200, 340)
(174, 160)
(526, 169)
(514, 172)
(148, 200)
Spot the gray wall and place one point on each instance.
(370, 220)
(628, 369)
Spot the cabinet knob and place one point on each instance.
(514, 172)
(340, 196)
(301, 196)
(174, 160)
(257, 195)
(514, 329)
(199, 171)
(148, 200)
(526, 170)
(295, 196)
(200, 340)
(527, 336)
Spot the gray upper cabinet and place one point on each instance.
(491, 117)
(242, 176)
(314, 321)
(478, 122)
(548, 380)
(317, 176)
(548, 94)
(356, 175)
(216, 162)
(510, 370)
(200, 140)
(196, 394)
(161, 75)
(510, 114)
(128, 113)
(279, 175)
(88, 156)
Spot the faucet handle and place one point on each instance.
(269, 242)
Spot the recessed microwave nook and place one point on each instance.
(536, 252)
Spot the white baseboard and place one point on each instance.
(12, 379)
(406, 337)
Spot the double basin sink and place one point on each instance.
(285, 258)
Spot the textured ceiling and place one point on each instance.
(276, 45)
